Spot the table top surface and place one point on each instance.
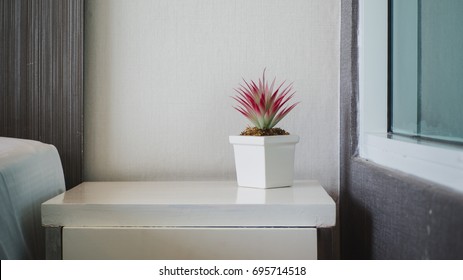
(189, 203)
(190, 192)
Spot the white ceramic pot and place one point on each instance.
(264, 161)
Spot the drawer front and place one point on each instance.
(188, 243)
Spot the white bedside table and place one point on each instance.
(186, 220)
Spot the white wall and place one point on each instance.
(159, 76)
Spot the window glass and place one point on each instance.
(426, 68)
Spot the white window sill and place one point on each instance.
(431, 161)
(435, 162)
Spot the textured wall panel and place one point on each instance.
(159, 76)
(41, 79)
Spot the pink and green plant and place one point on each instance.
(263, 106)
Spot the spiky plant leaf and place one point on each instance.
(263, 105)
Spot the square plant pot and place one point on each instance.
(264, 161)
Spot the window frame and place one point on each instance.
(430, 160)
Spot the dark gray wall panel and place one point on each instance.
(386, 214)
(391, 215)
(41, 78)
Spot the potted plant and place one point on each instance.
(264, 154)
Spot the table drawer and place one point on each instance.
(188, 243)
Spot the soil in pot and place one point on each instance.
(254, 131)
